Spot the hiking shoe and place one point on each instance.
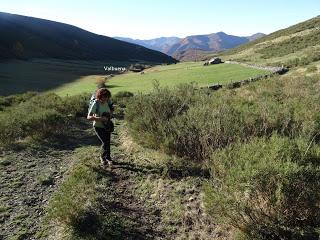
(110, 163)
(102, 161)
(112, 160)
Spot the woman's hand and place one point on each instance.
(94, 117)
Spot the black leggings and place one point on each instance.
(104, 136)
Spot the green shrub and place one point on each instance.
(74, 105)
(268, 188)
(40, 116)
(121, 98)
(309, 58)
(70, 105)
(148, 115)
(13, 100)
(205, 126)
(123, 94)
(215, 123)
(15, 125)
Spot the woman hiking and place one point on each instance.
(100, 113)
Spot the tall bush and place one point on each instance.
(268, 188)
(148, 115)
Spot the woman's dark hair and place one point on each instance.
(103, 92)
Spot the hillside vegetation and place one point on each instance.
(297, 45)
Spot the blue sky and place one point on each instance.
(145, 19)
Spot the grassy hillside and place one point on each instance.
(169, 75)
(298, 45)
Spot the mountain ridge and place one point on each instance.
(213, 42)
(160, 44)
(28, 37)
(181, 48)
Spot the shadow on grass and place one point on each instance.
(171, 171)
(98, 224)
(183, 171)
(137, 168)
(76, 135)
(112, 86)
(19, 76)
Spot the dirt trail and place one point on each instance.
(144, 219)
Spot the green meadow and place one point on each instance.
(165, 75)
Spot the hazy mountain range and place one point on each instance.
(161, 44)
(186, 48)
(25, 37)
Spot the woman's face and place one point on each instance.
(104, 99)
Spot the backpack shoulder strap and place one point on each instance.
(110, 104)
(97, 107)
